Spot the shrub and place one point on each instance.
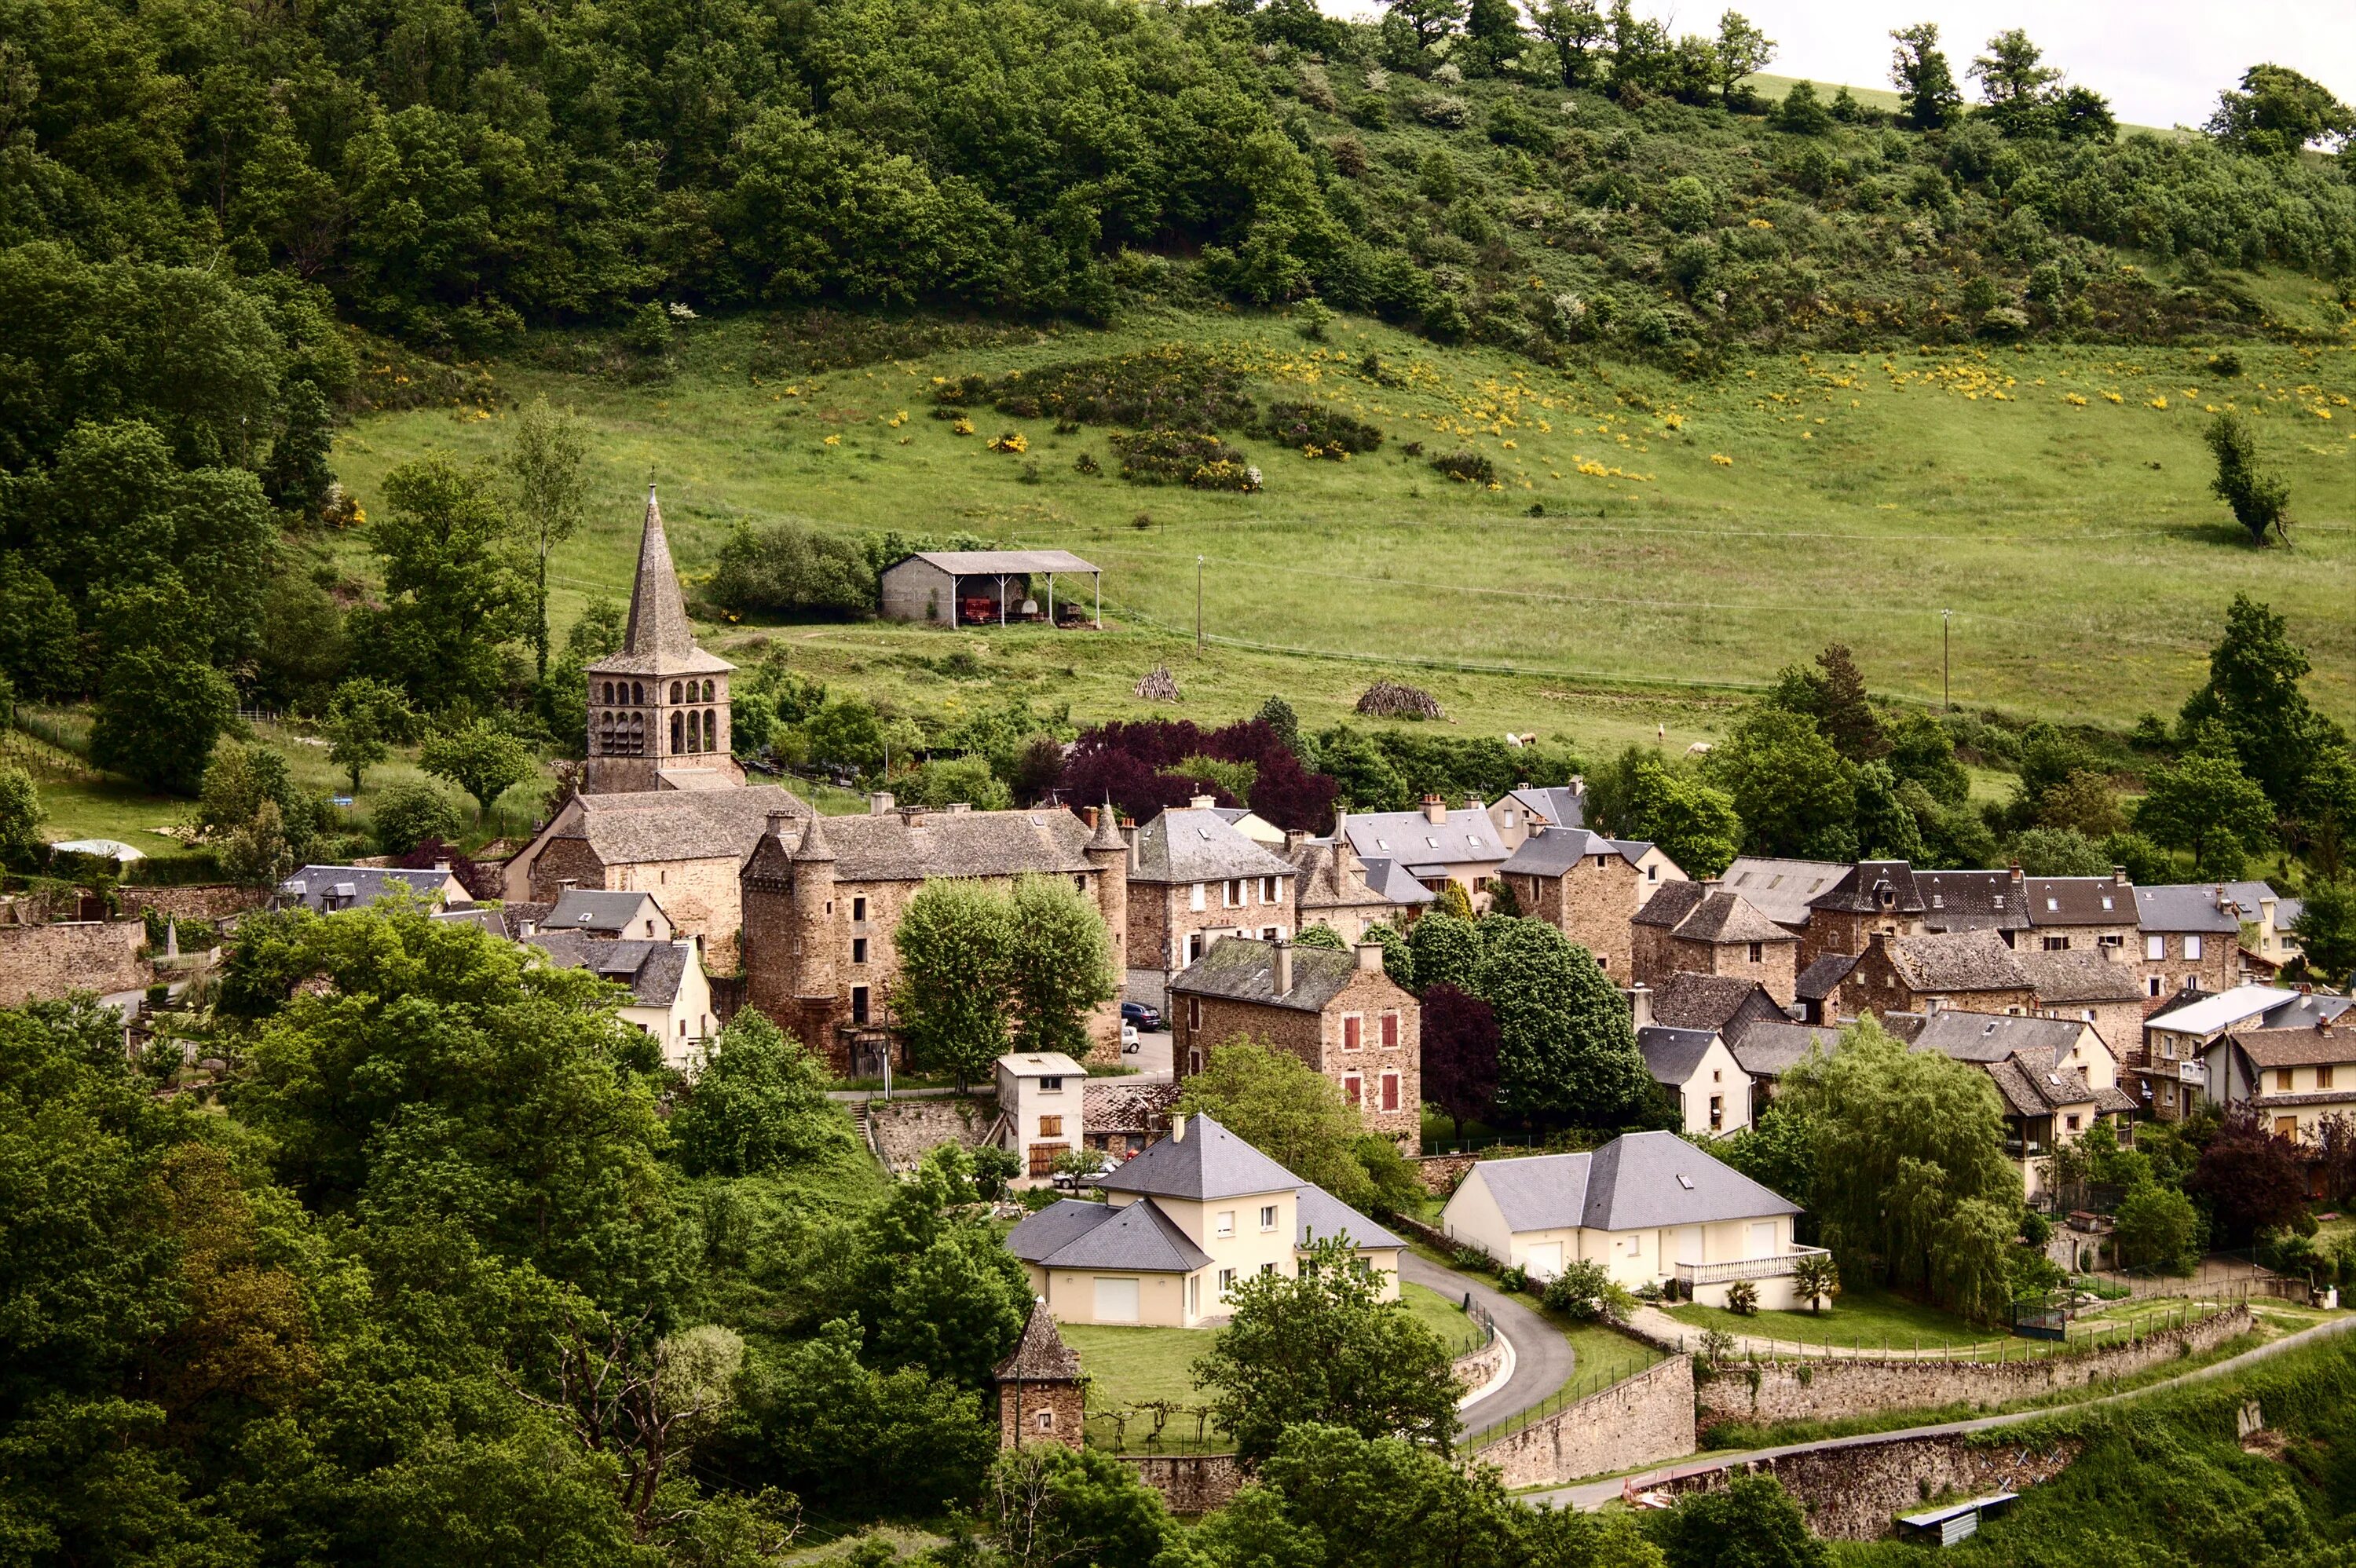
(1468, 466)
(1445, 111)
(1163, 389)
(789, 568)
(405, 815)
(1585, 1292)
(1321, 431)
(1513, 1280)
(1742, 1298)
(1201, 462)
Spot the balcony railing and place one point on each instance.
(1776, 1267)
(2018, 1148)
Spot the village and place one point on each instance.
(1593, 1292)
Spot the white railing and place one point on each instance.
(1776, 1267)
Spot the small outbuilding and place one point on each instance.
(988, 587)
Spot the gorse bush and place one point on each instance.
(1179, 457)
(1320, 429)
(1165, 389)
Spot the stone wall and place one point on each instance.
(1775, 967)
(1440, 1173)
(44, 963)
(905, 1129)
(1030, 1413)
(1190, 1483)
(1591, 904)
(1822, 1389)
(203, 902)
(1855, 1491)
(1476, 1370)
(1646, 1419)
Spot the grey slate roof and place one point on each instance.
(1185, 845)
(1243, 969)
(1466, 836)
(1393, 881)
(2298, 1047)
(1820, 979)
(1861, 889)
(1637, 1181)
(327, 887)
(1328, 875)
(886, 847)
(484, 917)
(652, 970)
(1691, 1000)
(1973, 900)
(2249, 895)
(1992, 1037)
(2080, 900)
(1769, 1050)
(2080, 976)
(1781, 889)
(1040, 1356)
(1673, 1054)
(1725, 917)
(658, 640)
(600, 912)
(1558, 806)
(1557, 850)
(1208, 1162)
(1321, 1216)
(1957, 960)
(1075, 1234)
(648, 826)
(2186, 906)
(1670, 905)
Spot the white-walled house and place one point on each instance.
(1184, 1222)
(1697, 1067)
(670, 996)
(1041, 1096)
(1649, 1206)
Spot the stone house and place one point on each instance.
(1724, 1005)
(1701, 1073)
(1182, 1224)
(1588, 887)
(1971, 969)
(1121, 1115)
(685, 847)
(2098, 986)
(1781, 889)
(822, 898)
(1435, 845)
(2191, 937)
(2293, 1076)
(2055, 1076)
(1868, 897)
(1338, 1012)
(671, 997)
(1522, 811)
(1041, 1109)
(598, 911)
(324, 890)
(1957, 902)
(1650, 1206)
(659, 708)
(1194, 877)
(2078, 914)
(1040, 1395)
(1703, 928)
(2180, 1063)
(1333, 888)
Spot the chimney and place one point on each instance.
(777, 820)
(879, 804)
(958, 807)
(2119, 876)
(1204, 802)
(1435, 810)
(1283, 967)
(1178, 1129)
(2013, 873)
(1639, 1005)
(910, 816)
(1088, 815)
(1293, 838)
(1523, 784)
(1370, 958)
(440, 862)
(565, 885)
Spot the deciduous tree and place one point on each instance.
(544, 465)
(956, 942)
(1566, 1050)
(757, 1103)
(1460, 1054)
(1919, 70)
(1276, 1103)
(479, 756)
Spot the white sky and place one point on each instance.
(2160, 62)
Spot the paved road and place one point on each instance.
(1542, 1357)
(1595, 1494)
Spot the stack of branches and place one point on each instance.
(1158, 686)
(1389, 700)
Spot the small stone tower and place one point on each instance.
(817, 996)
(1039, 1398)
(1108, 853)
(787, 892)
(659, 708)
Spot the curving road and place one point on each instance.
(1542, 1357)
(1595, 1494)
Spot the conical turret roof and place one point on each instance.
(659, 640)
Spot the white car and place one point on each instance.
(1128, 1038)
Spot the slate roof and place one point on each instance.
(658, 640)
(1691, 1000)
(1557, 805)
(2186, 906)
(2080, 900)
(1820, 979)
(1991, 1037)
(2248, 895)
(484, 917)
(1957, 960)
(643, 827)
(1725, 919)
(1555, 850)
(1973, 900)
(1674, 1055)
(1637, 1181)
(993, 562)
(327, 887)
(1320, 1215)
(2308, 1047)
(886, 849)
(1860, 890)
(1137, 1237)
(1768, 1050)
(1123, 1105)
(2078, 975)
(1040, 1356)
(1670, 905)
(597, 911)
(1326, 876)
(652, 970)
(1394, 882)
(1243, 969)
(1208, 1162)
(1185, 845)
(1781, 889)
(2224, 1009)
(1464, 837)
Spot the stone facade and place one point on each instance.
(1772, 964)
(1381, 1075)
(1590, 903)
(657, 708)
(1856, 1491)
(1850, 930)
(1030, 1413)
(700, 896)
(1166, 932)
(2217, 966)
(46, 962)
(205, 901)
(1823, 1389)
(1643, 1420)
(1190, 1483)
(1876, 987)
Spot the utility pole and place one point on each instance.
(1946, 618)
(1199, 606)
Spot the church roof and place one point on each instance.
(659, 641)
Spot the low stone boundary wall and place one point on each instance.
(1476, 1370)
(1646, 1419)
(204, 900)
(44, 963)
(1854, 1491)
(1432, 1235)
(1440, 1173)
(1828, 1389)
(1190, 1483)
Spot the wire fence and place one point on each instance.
(2090, 1335)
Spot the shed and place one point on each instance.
(1946, 1525)
(981, 587)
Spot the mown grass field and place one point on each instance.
(1695, 537)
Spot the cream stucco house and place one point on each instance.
(1182, 1223)
(1650, 1206)
(1700, 1070)
(1041, 1094)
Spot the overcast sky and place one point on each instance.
(2160, 62)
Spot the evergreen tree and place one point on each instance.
(297, 475)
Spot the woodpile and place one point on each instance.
(1158, 686)
(1389, 700)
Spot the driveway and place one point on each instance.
(1542, 1357)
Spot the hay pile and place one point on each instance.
(1158, 686)
(1389, 700)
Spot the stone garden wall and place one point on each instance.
(1853, 1491)
(1646, 1419)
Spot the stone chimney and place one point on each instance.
(1639, 1005)
(958, 807)
(879, 803)
(1203, 802)
(910, 816)
(1293, 838)
(1435, 810)
(1088, 815)
(442, 862)
(1370, 958)
(1523, 784)
(778, 822)
(1178, 1129)
(1283, 967)
(2119, 876)
(565, 885)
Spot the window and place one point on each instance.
(650, 928)
(1351, 1038)
(1391, 1090)
(2071, 1123)
(1652, 873)
(678, 734)
(2192, 947)
(2282, 1081)
(2113, 939)
(674, 692)
(2286, 1127)
(2053, 905)
(1390, 1031)
(1051, 1086)
(858, 950)
(1758, 952)
(1268, 934)
(2151, 986)
(1043, 1160)
(1267, 1268)
(1226, 1281)
(2323, 1077)
(1079, 884)
(859, 1004)
(1194, 1294)
(1717, 1112)
(1194, 897)
(1047, 1421)
(2155, 948)
(1194, 1062)
(2168, 1093)
(1268, 890)
(1224, 1225)
(1193, 1012)
(1231, 895)
(1352, 1093)
(859, 907)
(1051, 1126)
(1267, 1216)
(2167, 1047)
(2053, 944)
(1194, 945)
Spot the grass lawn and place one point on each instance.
(1128, 1367)
(1864, 1318)
(1442, 1316)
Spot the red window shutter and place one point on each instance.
(1390, 1031)
(1391, 1090)
(1350, 1086)
(1350, 1033)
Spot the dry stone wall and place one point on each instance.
(1646, 1419)
(1854, 1491)
(1829, 1390)
(45, 963)
(1190, 1483)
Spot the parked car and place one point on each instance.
(1128, 1038)
(1138, 1013)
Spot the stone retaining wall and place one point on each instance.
(1441, 1172)
(1822, 1389)
(1854, 1491)
(202, 902)
(1475, 1369)
(44, 963)
(906, 1129)
(1190, 1483)
(1646, 1419)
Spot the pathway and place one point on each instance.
(1542, 1357)
(1595, 1494)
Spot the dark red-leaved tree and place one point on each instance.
(2248, 1178)
(1460, 1054)
(1138, 764)
(480, 880)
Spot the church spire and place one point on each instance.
(658, 615)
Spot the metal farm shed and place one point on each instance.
(988, 587)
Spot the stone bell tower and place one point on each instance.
(659, 708)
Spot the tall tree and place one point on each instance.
(2253, 692)
(365, 719)
(1059, 964)
(1460, 1054)
(1923, 77)
(1751, 1522)
(757, 1103)
(2249, 1179)
(442, 539)
(1280, 1106)
(1642, 797)
(1566, 1048)
(2206, 805)
(1740, 51)
(2325, 929)
(1447, 950)
(544, 463)
(1574, 28)
(2016, 84)
(479, 756)
(1788, 785)
(1431, 20)
(956, 942)
(2280, 113)
(20, 816)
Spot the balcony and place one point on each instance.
(2024, 1148)
(1776, 1267)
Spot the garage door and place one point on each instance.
(1546, 1258)
(1116, 1301)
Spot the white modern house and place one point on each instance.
(1041, 1096)
(1697, 1066)
(1650, 1206)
